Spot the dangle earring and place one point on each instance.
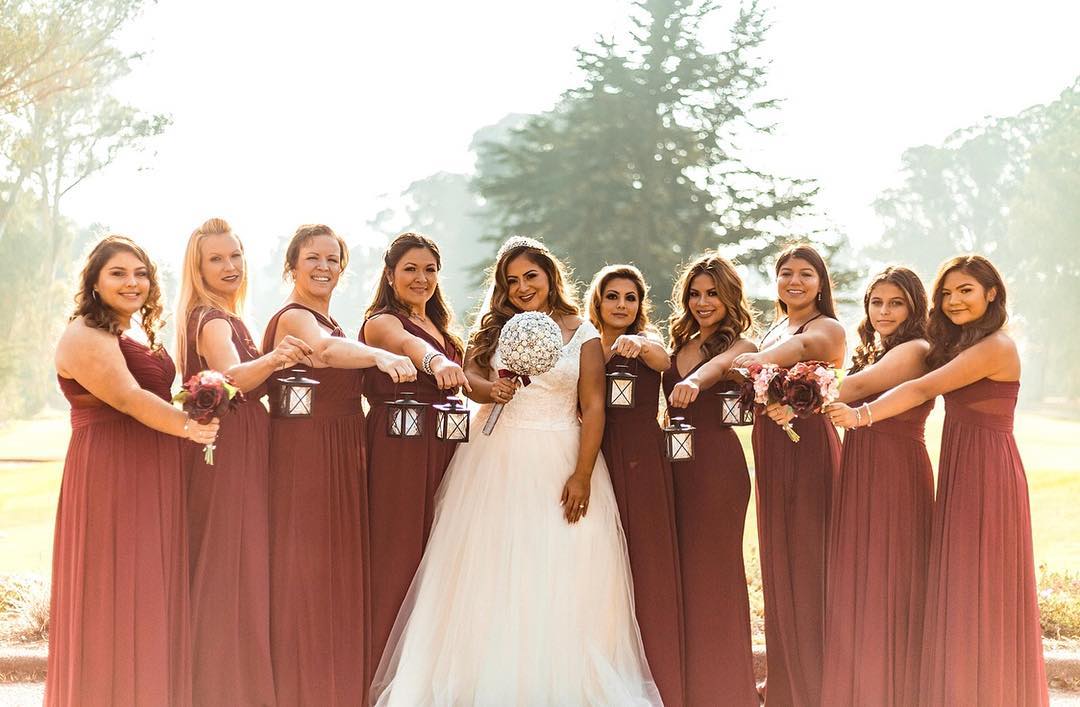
(94, 295)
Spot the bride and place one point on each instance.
(523, 596)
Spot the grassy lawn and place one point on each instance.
(28, 489)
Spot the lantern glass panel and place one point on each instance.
(298, 400)
(452, 421)
(682, 445)
(413, 419)
(621, 393)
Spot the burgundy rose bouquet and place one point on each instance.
(808, 387)
(762, 385)
(206, 395)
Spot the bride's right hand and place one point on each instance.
(502, 390)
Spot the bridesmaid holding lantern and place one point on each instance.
(633, 447)
(408, 316)
(708, 327)
(228, 527)
(318, 489)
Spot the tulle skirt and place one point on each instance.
(511, 605)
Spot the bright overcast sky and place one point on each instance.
(285, 115)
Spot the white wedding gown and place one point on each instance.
(512, 605)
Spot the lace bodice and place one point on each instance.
(550, 402)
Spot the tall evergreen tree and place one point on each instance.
(642, 161)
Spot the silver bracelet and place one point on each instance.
(428, 358)
(858, 418)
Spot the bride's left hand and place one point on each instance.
(575, 497)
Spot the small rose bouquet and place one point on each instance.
(762, 385)
(530, 344)
(206, 395)
(808, 387)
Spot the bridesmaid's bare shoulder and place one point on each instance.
(81, 343)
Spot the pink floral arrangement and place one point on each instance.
(807, 387)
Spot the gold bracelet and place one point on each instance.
(869, 415)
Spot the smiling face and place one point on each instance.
(123, 284)
(888, 308)
(797, 283)
(528, 286)
(318, 266)
(221, 264)
(620, 303)
(704, 303)
(415, 277)
(963, 298)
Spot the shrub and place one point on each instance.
(24, 607)
(1059, 603)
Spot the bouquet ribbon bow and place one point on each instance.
(507, 373)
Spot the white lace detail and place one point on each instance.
(550, 402)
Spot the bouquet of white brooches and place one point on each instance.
(529, 345)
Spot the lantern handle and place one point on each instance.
(630, 363)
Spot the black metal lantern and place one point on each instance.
(452, 421)
(733, 411)
(620, 387)
(405, 417)
(679, 440)
(295, 395)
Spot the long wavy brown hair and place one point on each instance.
(805, 251)
(872, 346)
(497, 309)
(948, 340)
(437, 309)
(93, 309)
(738, 320)
(595, 296)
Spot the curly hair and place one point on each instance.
(498, 309)
(739, 318)
(872, 346)
(805, 251)
(436, 308)
(595, 296)
(948, 340)
(93, 309)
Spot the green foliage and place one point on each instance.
(642, 162)
(1059, 603)
(1005, 188)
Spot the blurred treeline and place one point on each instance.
(648, 159)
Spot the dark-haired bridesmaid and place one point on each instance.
(318, 490)
(633, 447)
(795, 483)
(982, 643)
(119, 608)
(712, 491)
(879, 533)
(228, 527)
(408, 316)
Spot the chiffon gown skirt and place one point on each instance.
(511, 605)
(879, 541)
(712, 492)
(318, 548)
(795, 483)
(119, 611)
(634, 450)
(982, 642)
(229, 544)
(403, 476)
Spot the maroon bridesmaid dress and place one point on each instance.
(229, 544)
(982, 641)
(879, 539)
(633, 448)
(119, 612)
(318, 542)
(795, 483)
(712, 493)
(403, 475)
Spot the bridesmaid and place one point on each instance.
(633, 446)
(708, 328)
(879, 534)
(119, 609)
(408, 316)
(228, 529)
(982, 643)
(795, 483)
(318, 491)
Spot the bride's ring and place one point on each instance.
(581, 505)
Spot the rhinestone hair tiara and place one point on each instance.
(520, 242)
